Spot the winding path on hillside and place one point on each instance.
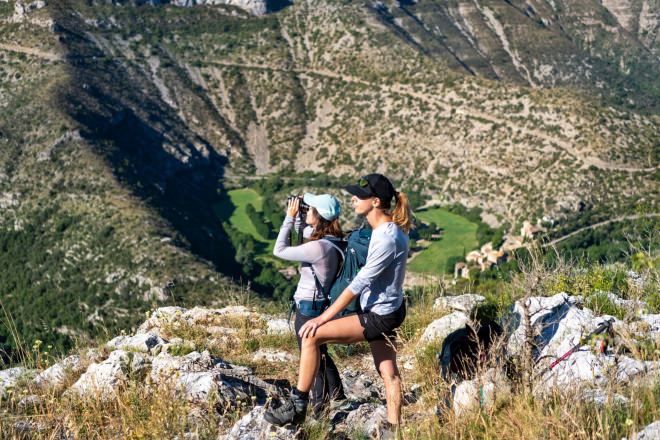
(599, 224)
(31, 51)
(463, 108)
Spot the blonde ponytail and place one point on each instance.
(401, 214)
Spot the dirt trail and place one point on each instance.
(30, 51)
(599, 224)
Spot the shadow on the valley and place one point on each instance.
(278, 5)
(146, 143)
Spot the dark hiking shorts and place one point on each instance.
(382, 327)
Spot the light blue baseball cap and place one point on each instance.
(326, 205)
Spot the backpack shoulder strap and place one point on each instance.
(320, 288)
(337, 248)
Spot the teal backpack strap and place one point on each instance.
(319, 287)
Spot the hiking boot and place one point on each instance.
(291, 410)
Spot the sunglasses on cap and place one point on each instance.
(364, 183)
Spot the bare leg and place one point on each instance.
(339, 331)
(384, 353)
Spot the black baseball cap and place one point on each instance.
(373, 185)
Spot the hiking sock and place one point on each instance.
(300, 394)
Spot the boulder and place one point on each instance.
(461, 303)
(367, 418)
(651, 432)
(481, 392)
(11, 377)
(252, 426)
(545, 314)
(103, 379)
(165, 365)
(359, 386)
(55, 377)
(201, 387)
(141, 342)
(440, 328)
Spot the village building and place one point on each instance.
(528, 231)
(461, 270)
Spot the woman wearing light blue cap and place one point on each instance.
(321, 260)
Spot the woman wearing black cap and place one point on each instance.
(379, 286)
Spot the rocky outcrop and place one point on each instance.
(252, 426)
(461, 303)
(10, 377)
(255, 7)
(55, 376)
(440, 328)
(558, 324)
(144, 342)
(650, 432)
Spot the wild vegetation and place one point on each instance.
(138, 412)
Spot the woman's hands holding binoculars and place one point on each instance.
(293, 206)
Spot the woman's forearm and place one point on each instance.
(340, 304)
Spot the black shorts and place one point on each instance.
(381, 327)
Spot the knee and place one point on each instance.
(309, 342)
(390, 376)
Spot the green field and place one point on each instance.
(232, 209)
(458, 234)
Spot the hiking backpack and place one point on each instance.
(354, 256)
(463, 350)
(357, 247)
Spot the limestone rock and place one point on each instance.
(142, 342)
(256, 7)
(165, 365)
(440, 328)
(359, 386)
(271, 355)
(367, 418)
(206, 386)
(545, 314)
(277, 326)
(651, 432)
(600, 397)
(103, 379)
(10, 377)
(55, 376)
(461, 303)
(482, 391)
(252, 426)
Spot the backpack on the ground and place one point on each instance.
(354, 258)
(465, 349)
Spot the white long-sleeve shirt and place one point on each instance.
(379, 283)
(320, 253)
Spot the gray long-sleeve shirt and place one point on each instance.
(320, 253)
(379, 283)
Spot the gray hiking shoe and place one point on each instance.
(292, 409)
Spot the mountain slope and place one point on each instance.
(121, 126)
